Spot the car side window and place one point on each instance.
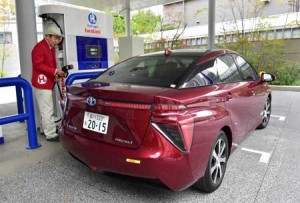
(205, 74)
(227, 69)
(248, 72)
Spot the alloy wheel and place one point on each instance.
(266, 112)
(218, 161)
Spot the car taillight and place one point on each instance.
(124, 105)
(167, 107)
(171, 133)
(177, 129)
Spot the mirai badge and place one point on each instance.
(91, 101)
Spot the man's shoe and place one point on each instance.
(53, 139)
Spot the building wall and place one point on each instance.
(173, 13)
(12, 61)
(11, 64)
(293, 50)
(195, 12)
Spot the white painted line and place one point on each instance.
(281, 118)
(264, 155)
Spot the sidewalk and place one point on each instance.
(13, 153)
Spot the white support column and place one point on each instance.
(27, 38)
(27, 34)
(130, 45)
(127, 18)
(128, 28)
(211, 23)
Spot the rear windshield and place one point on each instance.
(157, 71)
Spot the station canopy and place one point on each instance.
(117, 5)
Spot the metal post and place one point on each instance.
(29, 115)
(1, 136)
(128, 22)
(19, 100)
(127, 9)
(31, 127)
(211, 24)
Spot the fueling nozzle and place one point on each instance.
(66, 69)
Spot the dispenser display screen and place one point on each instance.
(93, 51)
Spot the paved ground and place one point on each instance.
(265, 168)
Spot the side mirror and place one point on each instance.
(266, 77)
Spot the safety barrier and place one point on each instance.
(19, 100)
(1, 136)
(78, 76)
(29, 115)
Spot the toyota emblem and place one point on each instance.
(91, 101)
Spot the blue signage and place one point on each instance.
(92, 18)
(91, 53)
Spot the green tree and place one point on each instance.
(142, 22)
(119, 25)
(263, 53)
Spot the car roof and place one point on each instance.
(190, 52)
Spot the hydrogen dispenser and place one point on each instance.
(87, 43)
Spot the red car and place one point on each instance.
(174, 116)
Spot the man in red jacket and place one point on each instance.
(44, 76)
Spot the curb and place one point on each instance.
(285, 88)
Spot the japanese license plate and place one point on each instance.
(95, 122)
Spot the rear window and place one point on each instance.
(157, 71)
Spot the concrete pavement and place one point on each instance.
(50, 174)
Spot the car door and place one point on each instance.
(237, 94)
(258, 90)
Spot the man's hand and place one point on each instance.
(59, 73)
(57, 78)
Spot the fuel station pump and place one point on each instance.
(87, 44)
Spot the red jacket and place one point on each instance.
(43, 65)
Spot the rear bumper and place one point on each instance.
(155, 159)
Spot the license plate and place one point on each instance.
(95, 122)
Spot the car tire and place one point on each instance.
(266, 115)
(216, 167)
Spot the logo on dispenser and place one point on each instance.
(92, 27)
(92, 18)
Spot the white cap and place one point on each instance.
(53, 30)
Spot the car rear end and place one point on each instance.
(142, 130)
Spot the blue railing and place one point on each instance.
(28, 115)
(19, 100)
(78, 76)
